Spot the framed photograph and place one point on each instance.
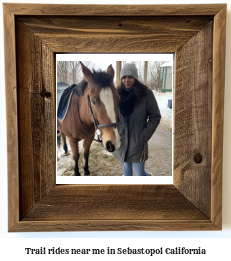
(34, 34)
(156, 72)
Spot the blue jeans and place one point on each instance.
(138, 168)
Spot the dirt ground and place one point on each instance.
(102, 163)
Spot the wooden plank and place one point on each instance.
(114, 202)
(56, 25)
(218, 114)
(29, 186)
(11, 117)
(193, 127)
(110, 44)
(114, 10)
(36, 134)
(36, 106)
(48, 144)
(48, 147)
(117, 208)
(112, 34)
(117, 225)
(118, 69)
(26, 169)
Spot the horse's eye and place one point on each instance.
(93, 102)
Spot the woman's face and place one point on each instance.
(128, 81)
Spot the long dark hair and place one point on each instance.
(140, 89)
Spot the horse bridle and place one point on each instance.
(96, 123)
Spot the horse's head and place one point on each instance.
(103, 101)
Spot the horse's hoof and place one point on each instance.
(77, 174)
(87, 173)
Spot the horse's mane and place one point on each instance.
(79, 89)
(102, 78)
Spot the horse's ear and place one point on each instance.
(88, 75)
(111, 70)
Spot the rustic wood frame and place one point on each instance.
(33, 34)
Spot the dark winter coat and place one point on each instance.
(137, 128)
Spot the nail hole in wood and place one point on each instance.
(198, 158)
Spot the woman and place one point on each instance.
(139, 116)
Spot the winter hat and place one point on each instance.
(129, 70)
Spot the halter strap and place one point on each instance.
(91, 85)
(97, 125)
(98, 140)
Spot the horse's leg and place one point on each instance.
(75, 152)
(58, 142)
(86, 146)
(65, 148)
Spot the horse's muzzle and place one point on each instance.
(109, 146)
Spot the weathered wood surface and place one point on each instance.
(193, 114)
(115, 34)
(139, 202)
(36, 110)
(114, 10)
(31, 118)
(114, 225)
(97, 208)
(11, 117)
(219, 45)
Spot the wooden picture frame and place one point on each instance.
(33, 34)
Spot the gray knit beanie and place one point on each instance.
(129, 70)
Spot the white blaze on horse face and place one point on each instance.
(106, 97)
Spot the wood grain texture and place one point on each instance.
(193, 114)
(114, 10)
(11, 117)
(98, 208)
(218, 114)
(36, 106)
(194, 201)
(100, 203)
(114, 34)
(114, 225)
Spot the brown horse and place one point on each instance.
(93, 107)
